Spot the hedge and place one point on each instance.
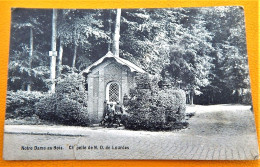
(21, 103)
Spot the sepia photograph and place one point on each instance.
(104, 84)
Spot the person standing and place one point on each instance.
(111, 114)
(105, 114)
(118, 113)
(106, 106)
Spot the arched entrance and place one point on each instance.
(112, 92)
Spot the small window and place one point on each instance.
(113, 92)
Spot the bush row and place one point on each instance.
(148, 107)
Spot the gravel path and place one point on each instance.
(216, 132)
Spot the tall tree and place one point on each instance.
(76, 36)
(116, 34)
(81, 32)
(59, 61)
(30, 58)
(29, 25)
(53, 52)
(172, 42)
(109, 31)
(229, 75)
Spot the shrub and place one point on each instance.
(154, 108)
(68, 105)
(247, 98)
(46, 108)
(21, 103)
(174, 103)
(72, 112)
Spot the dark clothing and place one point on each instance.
(111, 111)
(105, 111)
(112, 115)
(106, 116)
(118, 109)
(118, 114)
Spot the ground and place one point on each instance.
(215, 132)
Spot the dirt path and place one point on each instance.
(215, 132)
(222, 120)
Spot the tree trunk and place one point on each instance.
(241, 96)
(74, 56)
(188, 98)
(60, 57)
(110, 31)
(75, 46)
(53, 52)
(59, 66)
(30, 60)
(116, 35)
(191, 97)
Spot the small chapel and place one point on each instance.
(109, 79)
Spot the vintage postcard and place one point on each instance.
(170, 83)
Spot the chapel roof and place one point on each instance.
(121, 61)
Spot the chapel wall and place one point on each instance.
(98, 78)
